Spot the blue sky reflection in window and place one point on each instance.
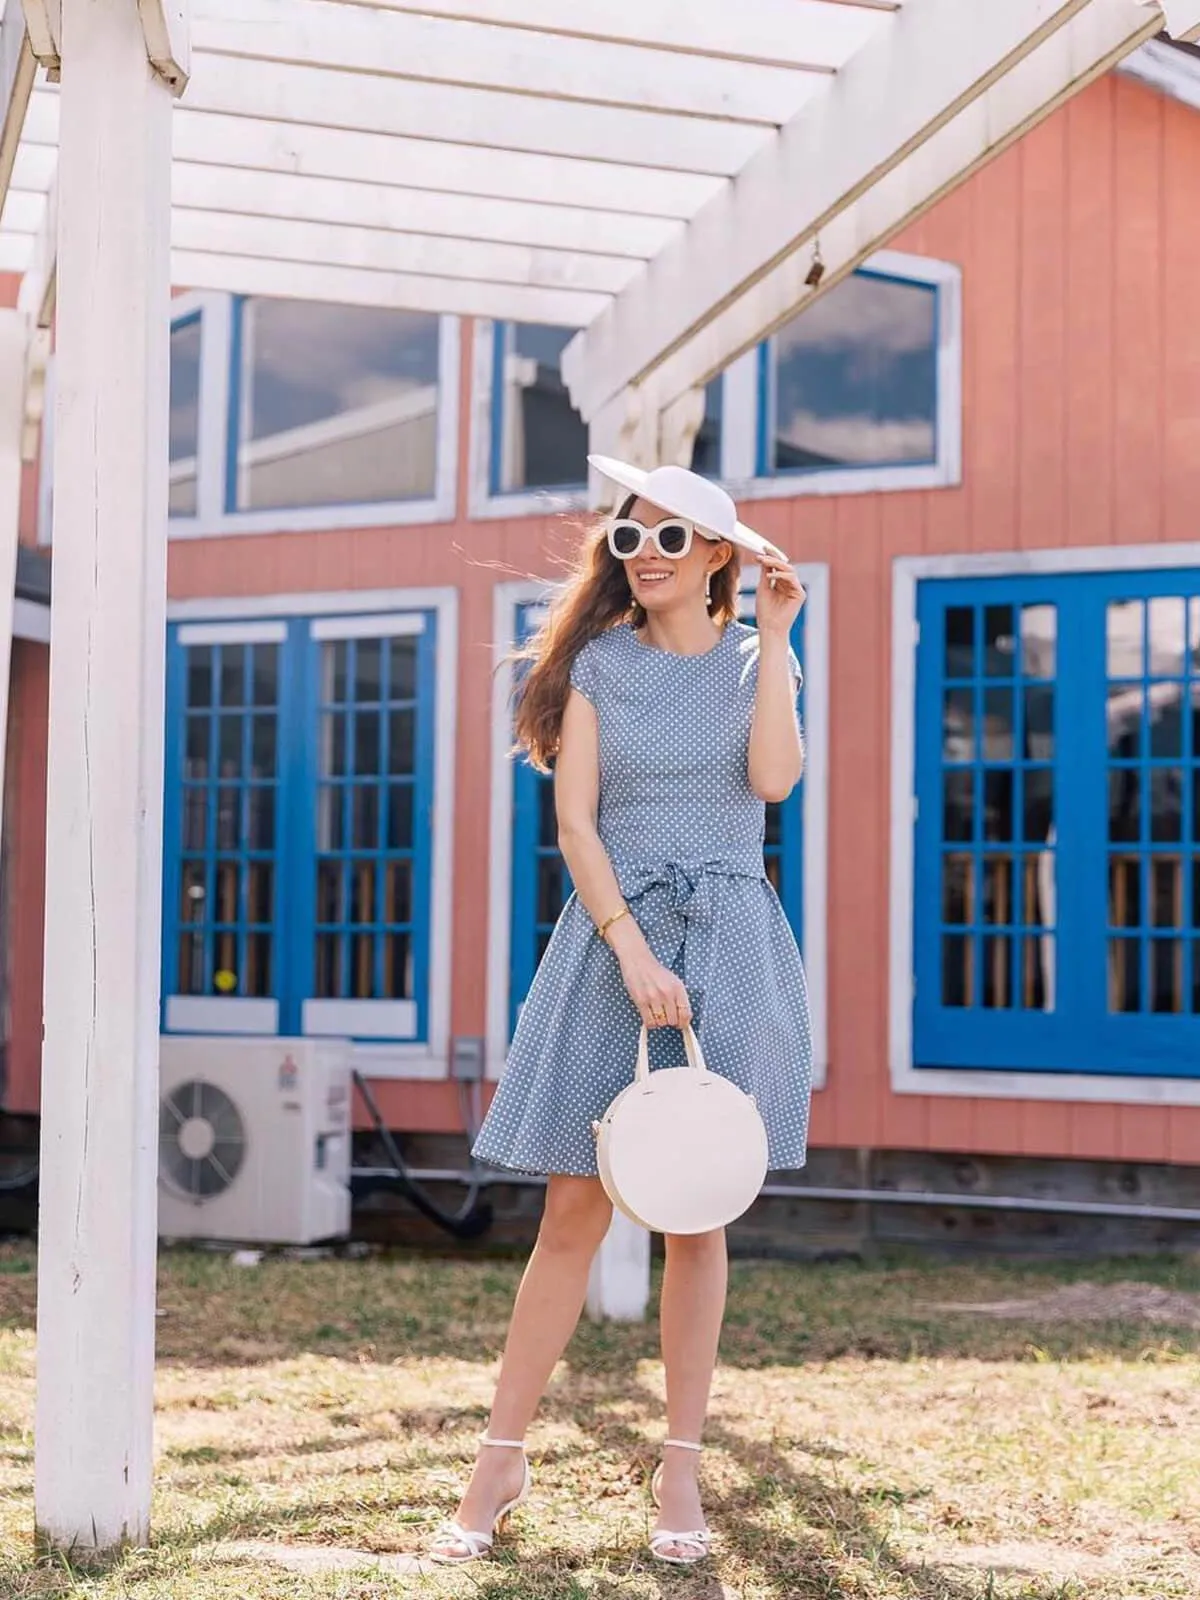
(332, 405)
(852, 380)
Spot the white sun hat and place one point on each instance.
(687, 494)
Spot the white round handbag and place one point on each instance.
(681, 1150)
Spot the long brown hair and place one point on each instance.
(595, 596)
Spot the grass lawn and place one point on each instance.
(865, 1442)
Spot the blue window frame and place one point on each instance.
(1057, 840)
(541, 883)
(298, 799)
(852, 381)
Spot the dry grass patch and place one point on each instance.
(864, 1443)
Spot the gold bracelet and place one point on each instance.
(602, 930)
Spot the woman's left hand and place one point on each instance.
(780, 596)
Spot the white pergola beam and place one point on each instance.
(1065, 63)
(545, 66)
(906, 82)
(287, 197)
(492, 119)
(379, 250)
(816, 34)
(443, 167)
(97, 1240)
(514, 302)
(18, 69)
(1181, 18)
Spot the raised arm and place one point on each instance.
(776, 745)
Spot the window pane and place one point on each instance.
(338, 405)
(225, 892)
(706, 451)
(541, 438)
(200, 677)
(185, 416)
(1039, 641)
(856, 378)
(960, 642)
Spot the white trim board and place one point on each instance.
(507, 598)
(392, 1060)
(983, 1083)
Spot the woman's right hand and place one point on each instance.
(660, 997)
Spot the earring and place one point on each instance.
(708, 587)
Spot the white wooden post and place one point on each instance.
(97, 1229)
(13, 338)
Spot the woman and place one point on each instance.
(668, 724)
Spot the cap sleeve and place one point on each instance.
(583, 672)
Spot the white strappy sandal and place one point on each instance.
(473, 1544)
(698, 1540)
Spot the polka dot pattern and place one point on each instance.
(684, 832)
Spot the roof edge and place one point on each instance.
(1168, 65)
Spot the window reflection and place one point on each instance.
(540, 441)
(338, 404)
(855, 378)
(184, 425)
(1153, 649)
(998, 823)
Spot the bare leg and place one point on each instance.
(693, 1307)
(547, 1307)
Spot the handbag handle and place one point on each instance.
(690, 1043)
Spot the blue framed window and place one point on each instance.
(541, 883)
(330, 405)
(1057, 842)
(852, 381)
(538, 440)
(298, 800)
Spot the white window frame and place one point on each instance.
(740, 444)
(507, 599)
(212, 520)
(431, 1059)
(985, 1083)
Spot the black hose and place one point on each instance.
(472, 1219)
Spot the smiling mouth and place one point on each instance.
(653, 577)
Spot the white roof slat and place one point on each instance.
(23, 212)
(35, 167)
(209, 137)
(484, 117)
(366, 205)
(16, 251)
(374, 250)
(406, 292)
(396, 44)
(819, 34)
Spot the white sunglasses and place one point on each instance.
(672, 538)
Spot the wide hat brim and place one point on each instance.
(635, 480)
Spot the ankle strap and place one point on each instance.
(684, 1444)
(506, 1444)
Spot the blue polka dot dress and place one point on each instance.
(684, 832)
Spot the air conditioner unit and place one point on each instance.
(254, 1139)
